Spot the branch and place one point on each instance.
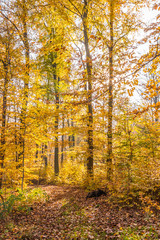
(76, 8)
(19, 33)
(80, 54)
(120, 38)
(69, 9)
(144, 64)
(129, 30)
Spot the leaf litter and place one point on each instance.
(68, 215)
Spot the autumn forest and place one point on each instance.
(80, 99)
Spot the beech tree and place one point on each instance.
(22, 33)
(5, 58)
(116, 34)
(81, 10)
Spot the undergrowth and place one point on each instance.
(21, 201)
(138, 233)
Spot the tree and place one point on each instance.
(118, 27)
(81, 10)
(23, 6)
(84, 17)
(5, 59)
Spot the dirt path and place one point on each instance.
(68, 215)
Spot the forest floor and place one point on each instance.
(69, 215)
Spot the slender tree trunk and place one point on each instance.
(45, 146)
(156, 101)
(89, 96)
(56, 80)
(72, 136)
(25, 91)
(130, 158)
(6, 65)
(23, 167)
(69, 137)
(56, 153)
(15, 135)
(110, 98)
(44, 154)
(62, 148)
(36, 155)
(4, 109)
(128, 132)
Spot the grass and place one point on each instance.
(138, 233)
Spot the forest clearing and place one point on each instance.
(79, 119)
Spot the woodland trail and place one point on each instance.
(68, 215)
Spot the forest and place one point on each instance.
(79, 119)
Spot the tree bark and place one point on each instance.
(56, 81)
(6, 63)
(56, 153)
(62, 147)
(72, 136)
(110, 97)
(25, 91)
(89, 95)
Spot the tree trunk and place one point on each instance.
(36, 155)
(15, 136)
(56, 155)
(69, 136)
(56, 80)
(72, 136)
(89, 95)
(62, 148)
(25, 91)
(110, 97)
(4, 109)
(44, 154)
(156, 100)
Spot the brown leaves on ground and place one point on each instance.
(68, 215)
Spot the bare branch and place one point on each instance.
(69, 9)
(75, 8)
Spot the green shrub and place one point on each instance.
(21, 201)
